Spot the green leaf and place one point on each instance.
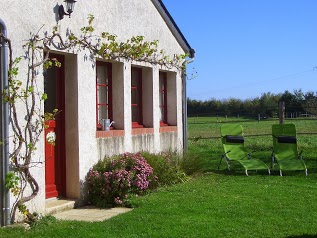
(31, 89)
(44, 96)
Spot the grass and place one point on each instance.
(217, 203)
(212, 205)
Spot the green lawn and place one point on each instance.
(217, 203)
(212, 205)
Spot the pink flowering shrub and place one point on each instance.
(111, 180)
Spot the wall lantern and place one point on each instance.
(69, 8)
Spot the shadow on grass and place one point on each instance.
(196, 123)
(237, 172)
(303, 236)
(261, 172)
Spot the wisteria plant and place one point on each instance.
(111, 180)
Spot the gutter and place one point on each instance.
(184, 78)
(4, 132)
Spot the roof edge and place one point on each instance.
(173, 27)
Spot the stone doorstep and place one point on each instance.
(56, 205)
(90, 213)
(65, 209)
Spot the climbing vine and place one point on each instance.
(29, 121)
(107, 47)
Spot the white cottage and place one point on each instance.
(143, 105)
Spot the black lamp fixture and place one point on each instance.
(69, 8)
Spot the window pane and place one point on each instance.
(50, 89)
(102, 74)
(102, 113)
(134, 96)
(102, 95)
(162, 95)
(162, 99)
(162, 114)
(162, 86)
(135, 114)
(103, 91)
(135, 78)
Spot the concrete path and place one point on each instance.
(90, 213)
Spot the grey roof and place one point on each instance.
(173, 27)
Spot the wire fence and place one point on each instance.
(252, 116)
(208, 126)
(258, 135)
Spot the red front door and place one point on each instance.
(55, 156)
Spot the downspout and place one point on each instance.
(4, 160)
(184, 78)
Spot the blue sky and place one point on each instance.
(247, 47)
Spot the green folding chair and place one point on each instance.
(234, 150)
(285, 150)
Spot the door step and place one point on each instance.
(55, 205)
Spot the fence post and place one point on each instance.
(281, 112)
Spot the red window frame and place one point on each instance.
(108, 87)
(136, 90)
(163, 97)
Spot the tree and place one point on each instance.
(310, 102)
(268, 104)
(293, 102)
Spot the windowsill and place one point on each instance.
(141, 131)
(163, 124)
(111, 133)
(135, 131)
(168, 129)
(136, 125)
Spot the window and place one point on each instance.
(103, 92)
(136, 97)
(163, 98)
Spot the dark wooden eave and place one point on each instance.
(173, 27)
